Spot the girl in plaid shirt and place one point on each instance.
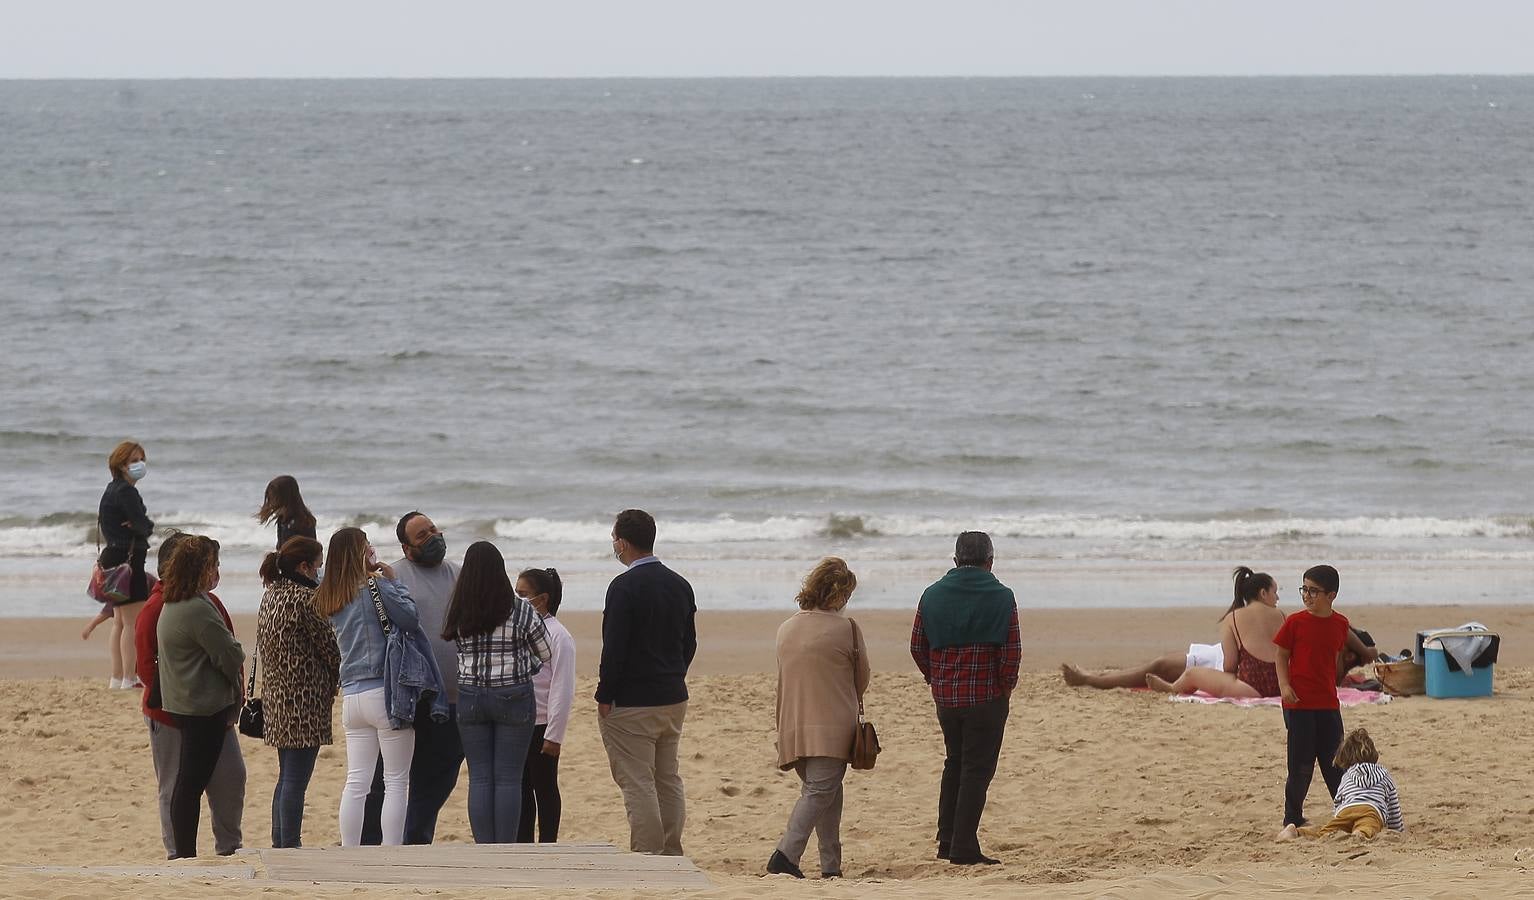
(502, 643)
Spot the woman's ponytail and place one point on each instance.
(295, 551)
(1248, 585)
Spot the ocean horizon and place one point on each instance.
(1157, 320)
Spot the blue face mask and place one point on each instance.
(137, 470)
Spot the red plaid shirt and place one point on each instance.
(969, 674)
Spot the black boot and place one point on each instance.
(778, 864)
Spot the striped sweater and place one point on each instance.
(1371, 783)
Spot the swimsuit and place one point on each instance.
(1261, 676)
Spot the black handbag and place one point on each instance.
(252, 719)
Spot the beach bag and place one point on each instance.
(865, 740)
(112, 585)
(252, 717)
(1402, 679)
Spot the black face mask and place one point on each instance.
(432, 552)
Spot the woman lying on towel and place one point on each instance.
(1241, 665)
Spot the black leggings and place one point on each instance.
(202, 740)
(540, 793)
(1314, 736)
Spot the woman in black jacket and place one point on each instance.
(125, 528)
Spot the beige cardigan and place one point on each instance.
(817, 705)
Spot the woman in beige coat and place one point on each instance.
(822, 674)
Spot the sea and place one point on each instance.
(1140, 329)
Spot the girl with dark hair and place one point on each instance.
(1246, 635)
(125, 527)
(300, 666)
(285, 504)
(553, 694)
(502, 643)
(352, 574)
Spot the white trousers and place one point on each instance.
(366, 720)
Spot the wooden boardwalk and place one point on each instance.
(486, 865)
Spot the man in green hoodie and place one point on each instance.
(967, 644)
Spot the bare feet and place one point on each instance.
(1157, 683)
(1072, 675)
(1288, 834)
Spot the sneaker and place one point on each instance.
(132, 684)
(114, 684)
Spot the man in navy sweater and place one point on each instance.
(648, 641)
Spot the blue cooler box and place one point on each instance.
(1443, 683)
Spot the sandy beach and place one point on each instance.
(1100, 793)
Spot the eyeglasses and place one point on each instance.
(1308, 591)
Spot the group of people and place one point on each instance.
(1300, 658)
(438, 664)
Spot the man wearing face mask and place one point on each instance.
(438, 758)
(648, 641)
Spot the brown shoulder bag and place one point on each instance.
(865, 740)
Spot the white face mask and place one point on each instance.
(137, 470)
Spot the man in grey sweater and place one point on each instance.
(438, 758)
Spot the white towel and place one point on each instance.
(1463, 647)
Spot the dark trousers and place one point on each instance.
(540, 793)
(433, 776)
(202, 740)
(295, 766)
(972, 736)
(1314, 736)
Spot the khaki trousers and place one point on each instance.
(641, 744)
(1358, 818)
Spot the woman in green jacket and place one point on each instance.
(200, 668)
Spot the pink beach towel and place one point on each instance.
(1345, 696)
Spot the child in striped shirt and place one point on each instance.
(1366, 799)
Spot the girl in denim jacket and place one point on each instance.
(352, 574)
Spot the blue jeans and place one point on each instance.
(294, 769)
(496, 725)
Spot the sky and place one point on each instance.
(735, 38)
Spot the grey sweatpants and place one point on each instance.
(226, 791)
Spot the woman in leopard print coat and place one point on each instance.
(300, 664)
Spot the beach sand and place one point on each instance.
(1099, 793)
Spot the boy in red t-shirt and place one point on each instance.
(1309, 644)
